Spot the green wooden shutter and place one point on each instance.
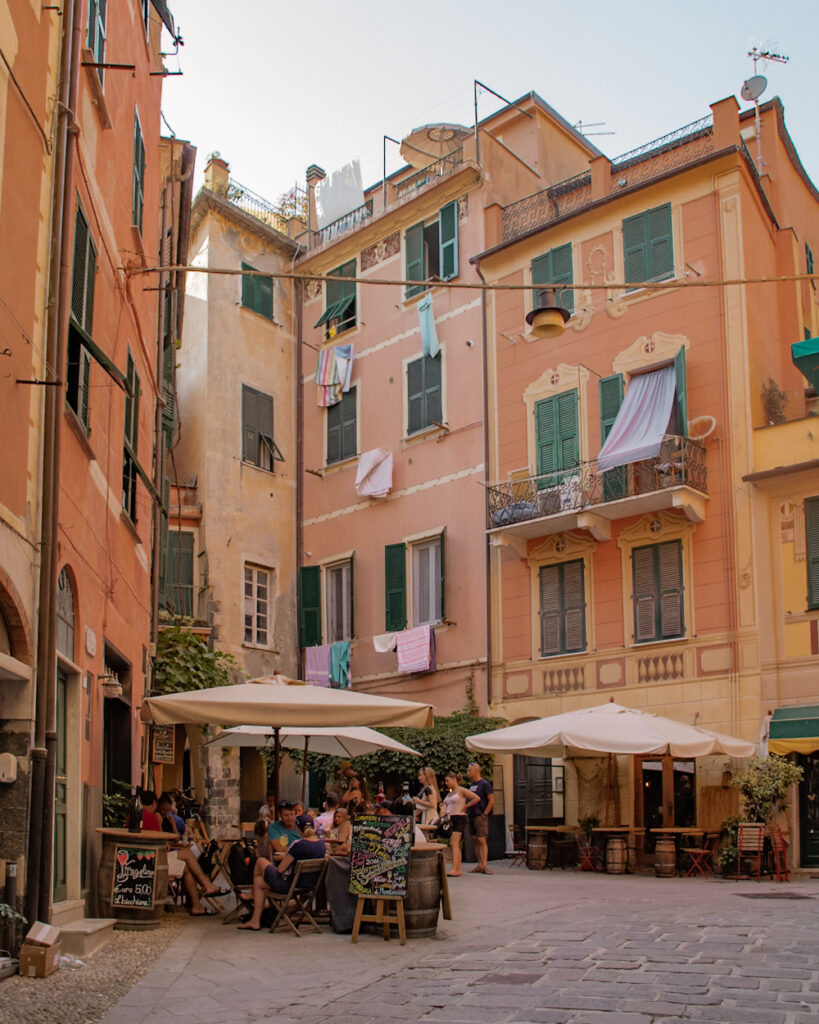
(433, 398)
(561, 273)
(84, 387)
(669, 573)
(90, 279)
(79, 270)
(442, 554)
(550, 610)
(163, 539)
(635, 250)
(681, 394)
(248, 288)
(611, 398)
(414, 248)
(179, 572)
(448, 241)
(660, 244)
(264, 296)
(138, 189)
(351, 591)
(349, 411)
(257, 419)
(645, 594)
(310, 610)
(334, 433)
(395, 587)
(574, 606)
(540, 275)
(546, 438)
(168, 394)
(415, 396)
(568, 439)
(812, 549)
(809, 260)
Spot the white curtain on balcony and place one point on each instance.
(642, 420)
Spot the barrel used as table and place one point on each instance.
(665, 857)
(537, 851)
(423, 899)
(616, 855)
(132, 881)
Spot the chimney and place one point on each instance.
(314, 175)
(217, 174)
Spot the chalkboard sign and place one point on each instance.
(380, 855)
(164, 744)
(134, 877)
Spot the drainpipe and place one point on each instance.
(299, 467)
(488, 552)
(43, 754)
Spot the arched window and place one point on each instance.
(65, 615)
(5, 639)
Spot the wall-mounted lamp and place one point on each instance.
(111, 686)
(548, 320)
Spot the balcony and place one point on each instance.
(437, 169)
(348, 222)
(584, 498)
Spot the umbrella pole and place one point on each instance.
(276, 755)
(304, 771)
(608, 789)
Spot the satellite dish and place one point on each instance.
(754, 87)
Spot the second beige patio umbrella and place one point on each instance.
(276, 701)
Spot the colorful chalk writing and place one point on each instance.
(380, 855)
(134, 877)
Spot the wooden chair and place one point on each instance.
(750, 841)
(519, 853)
(300, 896)
(701, 856)
(587, 853)
(779, 845)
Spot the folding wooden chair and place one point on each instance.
(701, 856)
(779, 845)
(750, 840)
(519, 853)
(587, 853)
(300, 896)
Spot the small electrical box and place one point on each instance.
(8, 768)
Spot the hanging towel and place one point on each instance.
(334, 370)
(317, 665)
(385, 642)
(429, 335)
(340, 665)
(344, 365)
(416, 649)
(374, 475)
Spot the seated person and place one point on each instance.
(150, 819)
(264, 848)
(268, 809)
(341, 834)
(355, 793)
(268, 877)
(298, 807)
(171, 822)
(324, 821)
(182, 863)
(283, 832)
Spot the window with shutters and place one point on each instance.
(810, 263)
(340, 306)
(338, 600)
(554, 267)
(258, 445)
(257, 293)
(557, 439)
(81, 319)
(178, 579)
(812, 549)
(657, 580)
(427, 559)
(562, 608)
(130, 440)
(258, 602)
(395, 587)
(169, 394)
(648, 246)
(95, 37)
(309, 605)
(615, 481)
(424, 394)
(138, 176)
(342, 421)
(431, 250)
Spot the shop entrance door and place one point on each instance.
(809, 810)
(60, 787)
(668, 797)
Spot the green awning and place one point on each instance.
(336, 311)
(805, 356)
(794, 730)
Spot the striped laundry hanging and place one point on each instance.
(416, 650)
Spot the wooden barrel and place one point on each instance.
(133, 918)
(665, 858)
(537, 851)
(616, 855)
(422, 902)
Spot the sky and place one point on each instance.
(274, 86)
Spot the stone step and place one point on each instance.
(84, 937)
(66, 911)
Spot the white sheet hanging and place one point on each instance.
(641, 423)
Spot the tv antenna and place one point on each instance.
(752, 89)
(581, 127)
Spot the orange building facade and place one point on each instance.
(642, 582)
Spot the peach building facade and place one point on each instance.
(406, 557)
(650, 582)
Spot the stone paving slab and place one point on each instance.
(524, 947)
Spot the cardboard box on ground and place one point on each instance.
(40, 953)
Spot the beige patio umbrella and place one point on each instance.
(276, 702)
(349, 741)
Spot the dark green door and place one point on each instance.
(60, 784)
(809, 810)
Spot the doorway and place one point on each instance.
(809, 810)
(668, 793)
(61, 792)
(538, 791)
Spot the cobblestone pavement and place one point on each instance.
(538, 947)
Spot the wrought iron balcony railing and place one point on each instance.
(249, 201)
(681, 462)
(437, 169)
(346, 223)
